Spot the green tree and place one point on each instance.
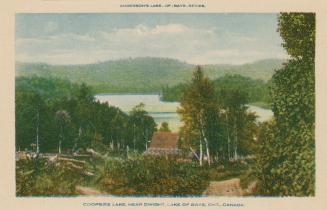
(31, 112)
(57, 116)
(164, 127)
(289, 141)
(62, 119)
(199, 113)
(142, 126)
(239, 124)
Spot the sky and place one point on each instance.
(215, 38)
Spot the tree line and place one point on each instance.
(257, 91)
(54, 115)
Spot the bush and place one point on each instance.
(153, 176)
(228, 170)
(39, 177)
(289, 168)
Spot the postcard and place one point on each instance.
(163, 104)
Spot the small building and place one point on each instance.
(163, 144)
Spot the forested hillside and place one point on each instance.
(257, 91)
(143, 74)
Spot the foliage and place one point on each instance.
(217, 118)
(66, 117)
(289, 169)
(239, 124)
(153, 176)
(164, 127)
(228, 170)
(39, 177)
(48, 88)
(298, 33)
(255, 90)
(173, 93)
(143, 127)
(62, 119)
(199, 112)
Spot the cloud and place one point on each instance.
(142, 30)
(191, 44)
(170, 28)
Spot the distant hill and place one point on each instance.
(144, 74)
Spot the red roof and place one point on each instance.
(167, 140)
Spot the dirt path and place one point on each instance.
(229, 187)
(88, 191)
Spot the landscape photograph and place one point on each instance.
(165, 104)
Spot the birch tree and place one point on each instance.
(198, 113)
(63, 118)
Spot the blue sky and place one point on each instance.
(228, 38)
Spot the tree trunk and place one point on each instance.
(78, 138)
(228, 145)
(228, 139)
(207, 150)
(146, 139)
(37, 132)
(134, 138)
(205, 140)
(201, 153)
(59, 147)
(194, 153)
(60, 139)
(235, 141)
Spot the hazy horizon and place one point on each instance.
(215, 38)
(150, 57)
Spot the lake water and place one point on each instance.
(161, 111)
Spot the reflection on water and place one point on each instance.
(263, 114)
(161, 111)
(127, 101)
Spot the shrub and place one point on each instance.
(153, 176)
(289, 168)
(39, 177)
(229, 170)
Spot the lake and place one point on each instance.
(160, 110)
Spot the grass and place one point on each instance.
(154, 176)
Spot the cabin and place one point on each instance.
(163, 144)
